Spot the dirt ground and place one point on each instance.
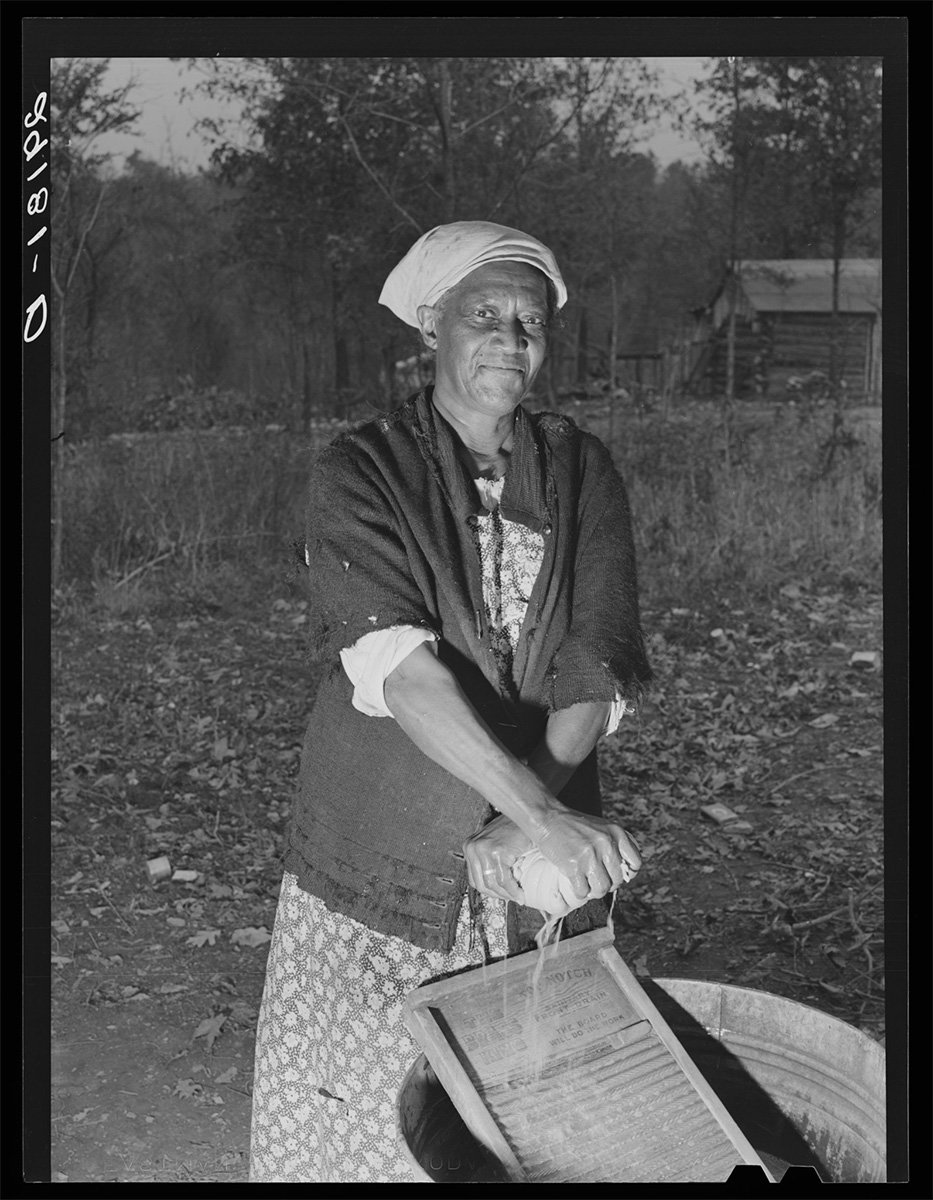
(176, 733)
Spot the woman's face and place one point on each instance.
(490, 334)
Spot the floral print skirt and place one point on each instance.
(331, 1047)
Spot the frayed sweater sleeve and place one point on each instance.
(361, 575)
(602, 657)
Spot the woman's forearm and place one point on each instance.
(426, 700)
(428, 703)
(570, 736)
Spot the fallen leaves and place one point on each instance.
(719, 844)
(131, 992)
(758, 763)
(250, 936)
(204, 937)
(691, 942)
(210, 1029)
(730, 719)
(719, 813)
(221, 750)
(824, 721)
(761, 970)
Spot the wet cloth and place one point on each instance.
(331, 1047)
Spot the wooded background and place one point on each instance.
(246, 293)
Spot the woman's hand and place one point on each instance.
(595, 854)
(489, 857)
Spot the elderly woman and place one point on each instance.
(474, 601)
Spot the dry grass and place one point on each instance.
(179, 501)
(752, 516)
(202, 506)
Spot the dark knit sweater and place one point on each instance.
(378, 828)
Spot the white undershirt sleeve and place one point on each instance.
(620, 708)
(370, 661)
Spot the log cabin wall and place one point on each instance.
(784, 328)
(800, 343)
(778, 346)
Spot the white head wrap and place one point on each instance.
(448, 253)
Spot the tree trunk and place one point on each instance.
(613, 346)
(582, 345)
(729, 395)
(307, 402)
(733, 271)
(835, 363)
(733, 239)
(730, 345)
(836, 372)
(447, 156)
(439, 88)
(341, 361)
(613, 335)
(552, 379)
(58, 462)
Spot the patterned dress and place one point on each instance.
(510, 557)
(331, 1047)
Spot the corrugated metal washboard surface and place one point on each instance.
(567, 1073)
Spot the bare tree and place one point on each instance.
(82, 109)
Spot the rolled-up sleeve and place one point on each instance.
(370, 661)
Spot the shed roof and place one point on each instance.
(805, 284)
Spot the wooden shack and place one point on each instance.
(783, 327)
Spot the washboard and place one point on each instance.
(574, 1076)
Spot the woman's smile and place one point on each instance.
(491, 339)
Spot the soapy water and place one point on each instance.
(550, 892)
(547, 936)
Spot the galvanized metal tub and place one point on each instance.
(806, 1088)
